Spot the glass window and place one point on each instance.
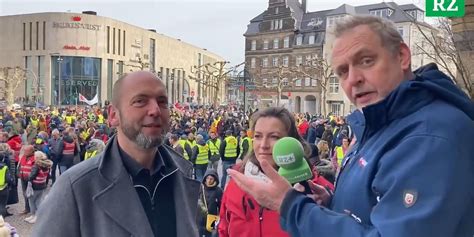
(110, 76)
(265, 82)
(275, 81)
(333, 85)
(276, 10)
(336, 109)
(281, 23)
(308, 59)
(252, 63)
(265, 62)
(307, 81)
(400, 30)
(330, 21)
(29, 83)
(285, 81)
(254, 45)
(275, 43)
(299, 40)
(123, 45)
(420, 16)
(152, 55)
(275, 61)
(314, 82)
(299, 60)
(120, 68)
(311, 39)
(78, 75)
(286, 42)
(298, 82)
(314, 60)
(108, 39)
(285, 61)
(265, 44)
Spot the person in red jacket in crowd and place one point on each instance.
(27, 162)
(303, 128)
(14, 141)
(240, 214)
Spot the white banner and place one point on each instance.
(94, 100)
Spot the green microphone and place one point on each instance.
(288, 154)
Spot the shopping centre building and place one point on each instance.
(83, 53)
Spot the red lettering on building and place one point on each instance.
(69, 47)
(72, 47)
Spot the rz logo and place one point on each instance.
(446, 8)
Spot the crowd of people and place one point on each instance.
(140, 168)
(38, 144)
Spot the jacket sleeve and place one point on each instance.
(60, 149)
(419, 164)
(245, 148)
(222, 148)
(187, 149)
(58, 212)
(223, 222)
(194, 155)
(33, 173)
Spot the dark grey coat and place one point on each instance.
(97, 198)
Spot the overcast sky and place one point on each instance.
(217, 25)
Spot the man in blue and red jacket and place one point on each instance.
(411, 171)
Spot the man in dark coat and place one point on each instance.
(137, 186)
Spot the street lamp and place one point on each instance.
(246, 76)
(59, 59)
(36, 82)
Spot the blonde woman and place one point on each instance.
(323, 148)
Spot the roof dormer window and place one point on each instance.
(385, 12)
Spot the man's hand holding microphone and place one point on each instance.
(288, 154)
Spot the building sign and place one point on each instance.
(89, 83)
(73, 47)
(76, 25)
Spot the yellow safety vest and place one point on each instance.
(3, 181)
(100, 119)
(214, 147)
(182, 143)
(231, 147)
(89, 154)
(35, 122)
(192, 144)
(69, 120)
(339, 155)
(203, 155)
(84, 135)
(242, 143)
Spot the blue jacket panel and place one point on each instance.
(411, 172)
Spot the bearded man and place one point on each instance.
(138, 186)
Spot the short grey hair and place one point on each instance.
(384, 28)
(199, 138)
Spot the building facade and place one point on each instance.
(463, 36)
(67, 54)
(287, 35)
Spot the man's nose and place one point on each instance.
(355, 76)
(154, 109)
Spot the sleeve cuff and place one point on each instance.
(290, 196)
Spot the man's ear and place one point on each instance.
(405, 57)
(114, 118)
